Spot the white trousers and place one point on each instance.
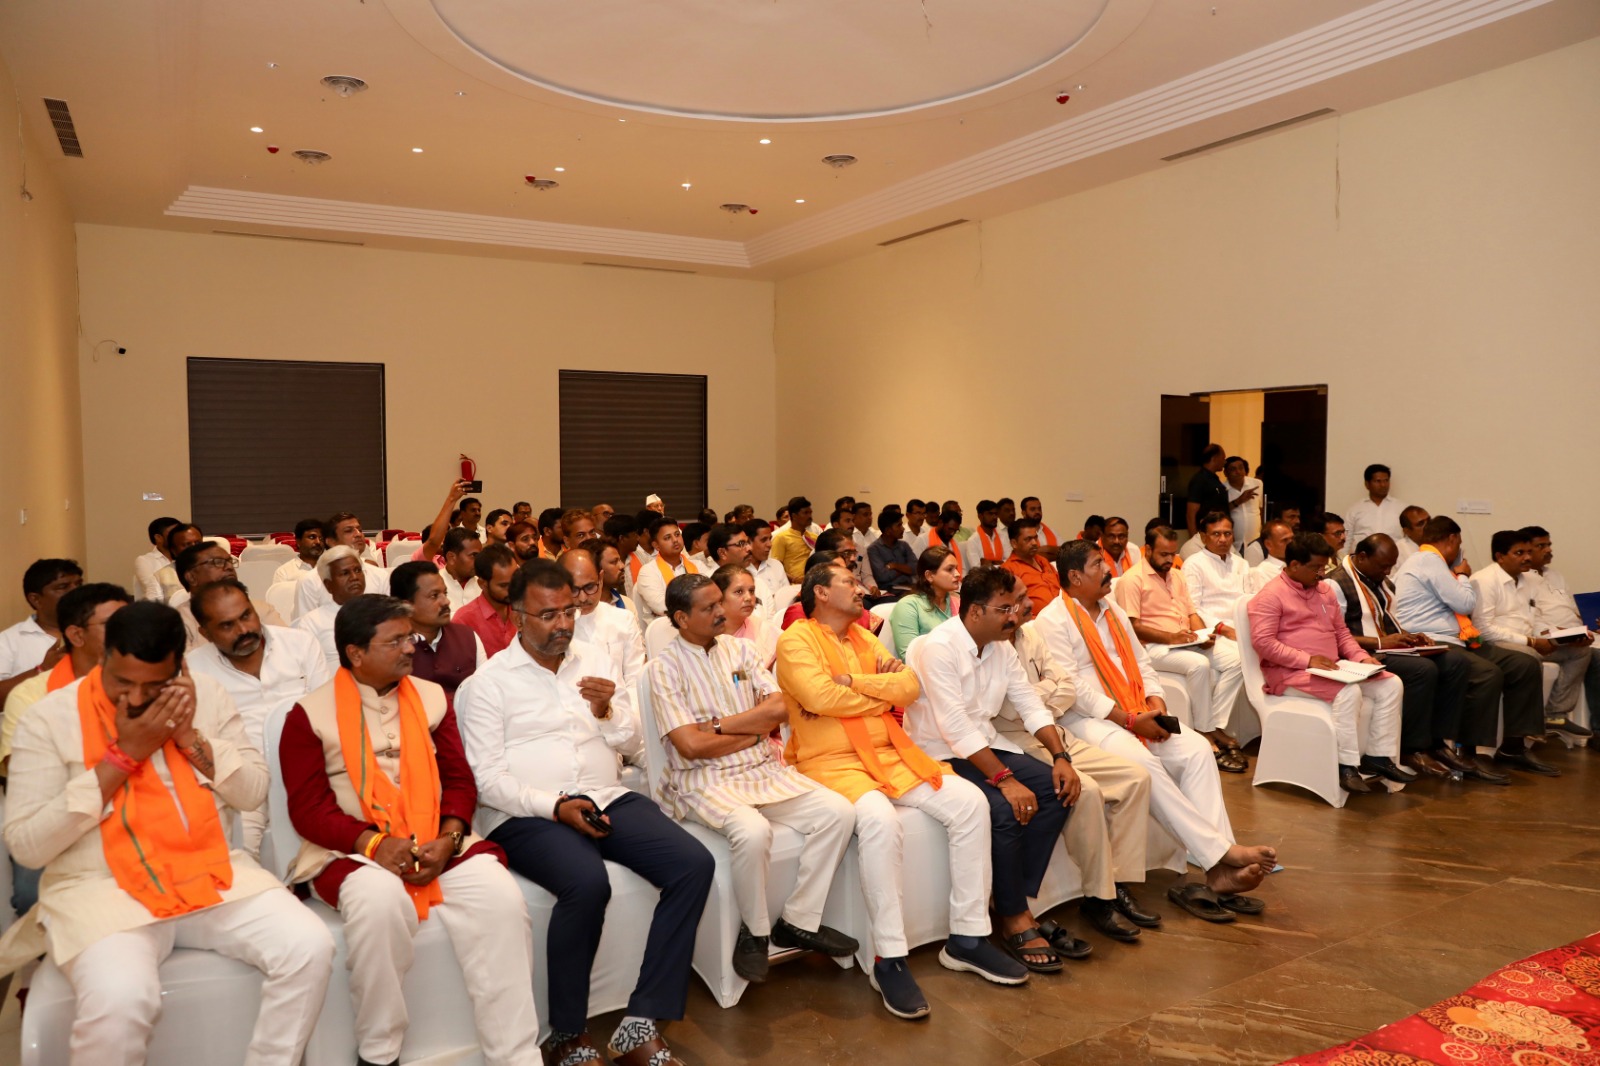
(487, 921)
(118, 987)
(1185, 788)
(826, 819)
(961, 808)
(1213, 678)
(1366, 718)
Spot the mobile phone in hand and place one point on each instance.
(1169, 722)
(591, 814)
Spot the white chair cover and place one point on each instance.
(281, 597)
(657, 635)
(399, 551)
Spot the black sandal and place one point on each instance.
(1241, 904)
(1014, 947)
(1199, 901)
(1232, 760)
(1065, 944)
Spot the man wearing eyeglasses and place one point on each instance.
(599, 623)
(543, 723)
(967, 669)
(201, 564)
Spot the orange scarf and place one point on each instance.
(666, 571)
(935, 542)
(1117, 567)
(1126, 686)
(1468, 632)
(635, 564)
(169, 864)
(411, 811)
(916, 760)
(993, 547)
(1048, 534)
(61, 676)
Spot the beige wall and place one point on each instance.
(42, 467)
(472, 347)
(1435, 260)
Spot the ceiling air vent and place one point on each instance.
(345, 85)
(838, 161)
(1257, 132)
(922, 232)
(312, 157)
(66, 132)
(543, 184)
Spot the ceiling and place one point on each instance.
(652, 115)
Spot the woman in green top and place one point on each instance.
(932, 599)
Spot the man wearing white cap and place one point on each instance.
(653, 502)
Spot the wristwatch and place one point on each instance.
(1062, 755)
(459, 838)
(716, 725)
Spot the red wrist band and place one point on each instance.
(121, 760)
(999, 777)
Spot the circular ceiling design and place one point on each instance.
(784, 60)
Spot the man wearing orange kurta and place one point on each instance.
(1036, 575)
(841, 688)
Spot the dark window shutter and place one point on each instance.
(275, 441)
(625, 436)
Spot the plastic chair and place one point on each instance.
(269, 551)
(280, 596)
(657, 635)
(1298, 746)
(256, 575)
(883, 611)
(400, 551)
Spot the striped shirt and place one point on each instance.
(688, 686)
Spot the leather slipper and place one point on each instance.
(1014, 947)
(1199, 901)
(1241, 904)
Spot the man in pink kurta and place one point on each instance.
(1296, 624)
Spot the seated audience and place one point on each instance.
(1114, 546)
(840, 689)
(714, 706)
(577, 526)
(1216, 581)
(989, 543)
(201, 564)
(1245, 500)
(1332, 528)
(543, 726)
(1028, 565)
(767, 570)
(1413, 520)
(729, 545)
(1435, 686)
(1295, 627)
(963, 533)
(490, 615)
(929, 602)
(1555, 608)
(522, 511)
(131, 770)
(1118, 707)
(1434, 596)
(1275, 537)
(312, 590)
(525, 543)
(1049, 542)
(497, 526)
(34, 645)
(383, 798)
(550, 535)
(1377, 511)
(601, 513)
(1094, 527)
(695, 535)
(309, 543)
(946, 533)
(966, 669)
(668, 562)
(179, 537)
(444, 652)
(459, 572)
(147, 565)
(613, 575)
(344, 577)
(613, 629)
(916, 526)
(470, 515)
(894, 564)
(740, 617)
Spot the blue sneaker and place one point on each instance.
(892, 979)
(979, 956)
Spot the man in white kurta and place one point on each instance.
(715, 706)
(1216, 581)
(1185, 789)
(107, 941)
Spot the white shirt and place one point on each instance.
(1365, 518)
(1072, 657)
(617, 633)
(1215, 585)
(707, 567)
(460, 594)
(650, 591)
(919, 540)
(1504, 612)
(318, 624)
(1256, 578)
(771, 575)
(293, 570)
(1404, 546)
(863, 541)
(972, 549)
(294, 664)
(1247, 516)
(23, 647)
(1553, 606)
(963, 690)
(144, 575)
(530, 737)
(310, 593)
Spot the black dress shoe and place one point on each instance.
(1129, 908)
(1385, 767)
(1351, 781)
(1424, 763)
(825, 941)
(1447, 755)
(1102, 915)
(750, 956)
(1521, 760)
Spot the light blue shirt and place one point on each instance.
(1428, 596)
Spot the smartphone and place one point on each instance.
(1169, 722)
(591, 815)
(474, 486)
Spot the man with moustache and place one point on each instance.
(312, 591)
(490, 615)
(262, 666)
(1114, 545)
(309, 544)
(343, 578)
(602, 624)
(715, 704)
(543, 724)
(770, 576)
(200, 564)
(446, 652)
(461, 548)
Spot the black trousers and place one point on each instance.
(571, 866)
(1020, 853)
(1522, 690)
(1430, 711)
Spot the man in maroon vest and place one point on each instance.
(446, 652)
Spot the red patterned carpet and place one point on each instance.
(1542, 1011)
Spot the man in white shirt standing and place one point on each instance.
(543, 723)
(1216, 581)
(1555, 608)
(1277, 539)
(1117, 709)
(1245, 501)
(1505, 615)
(309, 543)
(1377, 511)
(145, 567)
(967, 669)
(263, 667)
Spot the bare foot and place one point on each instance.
(1037, 950)
(1241, 855)
(1224, 878)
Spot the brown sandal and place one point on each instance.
(640, 1056)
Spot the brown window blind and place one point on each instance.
(624, 436)
(275, 441)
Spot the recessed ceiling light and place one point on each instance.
(561, 170)
(256, 129)
(272, 66)
(766, 140)
(799, 201)
(417, 150)
(622, 120)
(460, 92)
(686, 185)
